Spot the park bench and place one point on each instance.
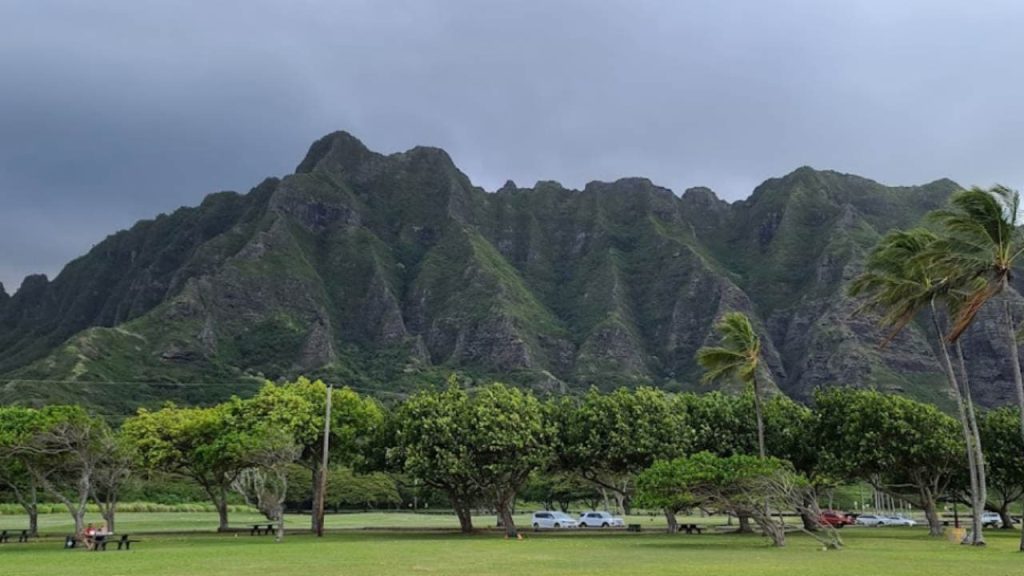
(261, 529)
(5, 536)
(124, 542)
(634, 528)
(691, 528)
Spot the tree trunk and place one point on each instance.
(931, 514)
(219, 496)
(810, 522)
(1004, 515)
(33, 521)
(981, 497)
(314, 520)
(79, 517)
(760, 417)
(109, 513)
(744, 521)
(222, 511)
(31, 505)
(279, 520)
(620, 502)
(1011, 338)
(504, 506)
(775, 531)
(670, 519)
(977, 537)
(465, 516)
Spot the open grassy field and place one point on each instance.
(895, 551)
(59, 524)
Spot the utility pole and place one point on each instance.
(323, 465)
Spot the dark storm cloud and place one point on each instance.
(110, 112)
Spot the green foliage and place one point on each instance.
(474, 447)
(740, 483)
(1001, 440)
(603, 436)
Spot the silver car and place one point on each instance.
(600, 519)
(872, 520)
(551, 519)
(900, 520)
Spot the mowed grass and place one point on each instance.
(895, 551)
(140, 522)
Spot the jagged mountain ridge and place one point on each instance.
(386, 271)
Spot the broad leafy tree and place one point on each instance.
(16, 425)
(741, 484)
(197, 443)
(1000, 435)
(908, 449)
(475, 447)
(299, 408)
(609, 438)
(64, 450)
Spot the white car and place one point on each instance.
(600, 519)
(549, 519)
(872, 520)
(900, 520)
(991, 520)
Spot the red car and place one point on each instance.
(835, 519)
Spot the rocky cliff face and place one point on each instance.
(388, 271)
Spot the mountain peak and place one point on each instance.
(338, 148)
(508, 187)
(33, 283)
(3, 293)
(701, 195)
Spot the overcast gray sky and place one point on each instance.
(115, 111)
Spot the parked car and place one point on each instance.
(835, 519)
(872, 520)
(991, 520)
(550, 519)
(900, 520)
(600, 519)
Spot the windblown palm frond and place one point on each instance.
(979, 249)
(739, 354)
(900, 278)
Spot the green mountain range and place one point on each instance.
(386, 272)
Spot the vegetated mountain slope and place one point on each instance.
(389, 271)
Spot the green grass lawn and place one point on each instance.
(135, 522)
(869, 551)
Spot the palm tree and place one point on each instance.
(981, 246)
(899, 281)
(739, 356)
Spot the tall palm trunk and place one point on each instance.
(760, 417)
(977, 539)
(1017, 380)
(979, 455)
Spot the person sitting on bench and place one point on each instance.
(89, 536)
(99, 538)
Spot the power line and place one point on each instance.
(167, 384)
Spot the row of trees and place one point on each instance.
(241, 446)
(479, 447)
